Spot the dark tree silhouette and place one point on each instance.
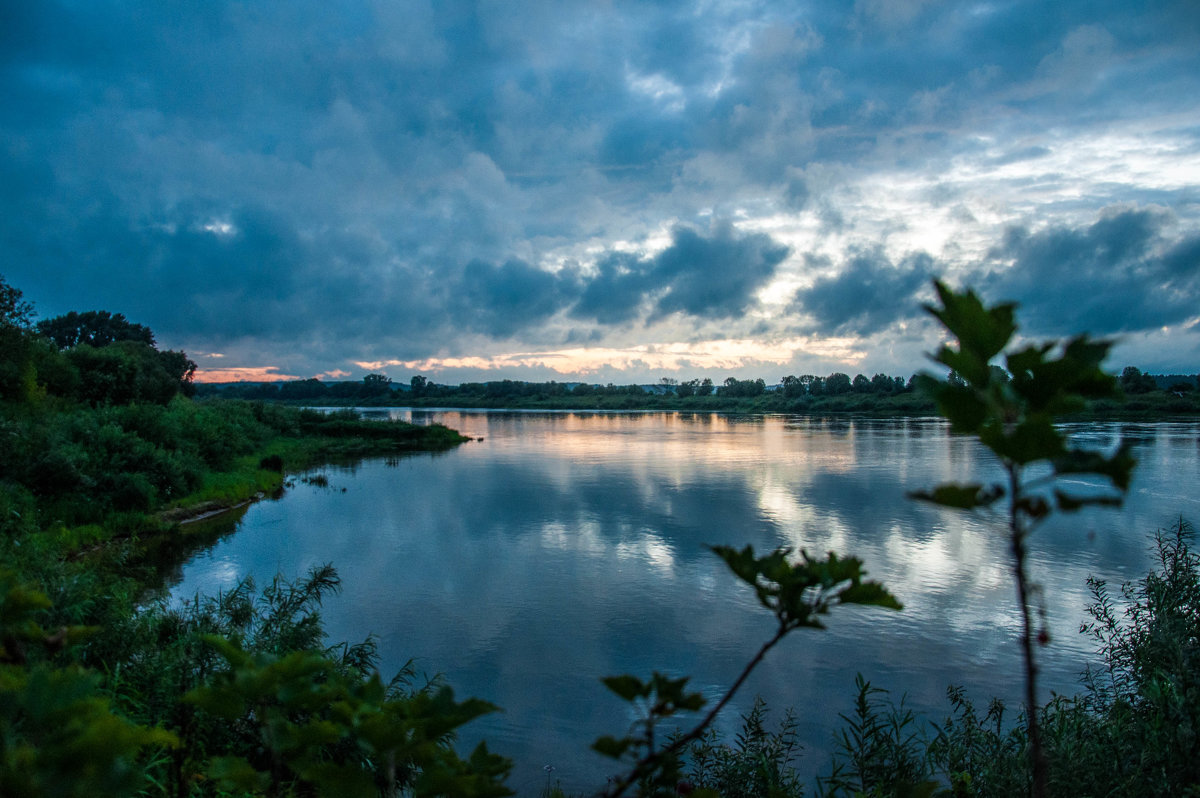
(93, 327)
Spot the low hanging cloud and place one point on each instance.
(714, 276)
(500, 301)
(867, 294)
(1120, 274)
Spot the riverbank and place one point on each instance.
(1158, 406)
(77, 476)
(321, 438)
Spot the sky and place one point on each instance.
(602, 191)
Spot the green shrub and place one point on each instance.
(881, 749)
(1131, 731)
(758, 762)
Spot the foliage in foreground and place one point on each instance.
(235, 692)
(758, 761)
(238, 695)
(797, 593)
(1012, 413)
(1132, 730)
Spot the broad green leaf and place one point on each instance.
(1118, 468)
(670, 695)
(742, 563)
(626, 686)
(612, 747)
(235, 773)
(484, 762)
(1036, 507)
(962, 497)
(1025, 362)
(983, 331)
(221, 701)
(870, 594)
(967, 364)
(1034, 438)
(1068, 503)
(962, 405)
(1059, 385)
(335, 781)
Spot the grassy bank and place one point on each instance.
(107, 691)
(84, 474)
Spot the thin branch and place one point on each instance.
(651, 761)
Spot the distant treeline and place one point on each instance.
(378, 388)
(374, 386)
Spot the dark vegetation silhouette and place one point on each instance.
(95, 328)
(105, 691)
(1012, 413)
(881, 394)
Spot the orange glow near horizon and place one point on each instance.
(244, 374)
(707, 355)
(718, 355)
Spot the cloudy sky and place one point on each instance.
(623, 191)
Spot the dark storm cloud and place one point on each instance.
(867, 294)
(714, 277)
(334, 179)
(797, 193)
(616, 292)
(1119, 274)
(500, 301)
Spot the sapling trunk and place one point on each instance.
(1018, 530)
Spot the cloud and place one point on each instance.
(1084, 56)
(616, 292)
(715, 276)
(1119, 274)
(709, 355)
(867, 293)
(311, 184)
(245, 374)
(500, 301)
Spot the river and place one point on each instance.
(563, 547)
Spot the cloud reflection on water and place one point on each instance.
(567, 546)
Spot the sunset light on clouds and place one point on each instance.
(615, 192)
(709, 356)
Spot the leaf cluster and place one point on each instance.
(1132, 730)
(880, 749)
(797, 593)
(1012, 411)
(311, 726)
(236, 692)
(757, 763)
(60, 734)
(658, 698)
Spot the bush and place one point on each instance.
(757, 763)
(1131, 731)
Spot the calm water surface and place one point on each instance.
(568, 546)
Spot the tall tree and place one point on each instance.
(14, 310)
(94, 327)
(837, 383)
(18, 374)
